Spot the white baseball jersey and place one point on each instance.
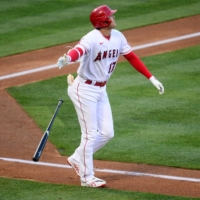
(101, 54)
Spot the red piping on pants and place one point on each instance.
(86, 132)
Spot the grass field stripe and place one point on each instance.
(177, 178)
(133, 48)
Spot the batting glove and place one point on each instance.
(63, 61)
(70, 79)
(157, 84)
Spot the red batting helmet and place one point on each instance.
(99, 17)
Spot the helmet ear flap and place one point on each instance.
(106, 22)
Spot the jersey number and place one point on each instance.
(112, 67)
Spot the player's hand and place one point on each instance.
(157, 84)
(63, 61)
(70, 79)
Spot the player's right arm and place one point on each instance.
(73, 55)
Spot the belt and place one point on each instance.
(100, 84)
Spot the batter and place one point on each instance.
(98, 52)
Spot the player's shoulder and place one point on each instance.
(91, 36)
(93, 32)
(116, 32)
(89, 39)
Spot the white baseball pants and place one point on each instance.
(95, 118)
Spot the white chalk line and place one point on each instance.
(129, 173)
(133, 48)
(167, 41)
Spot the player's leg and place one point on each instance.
(104, 123)
(85, 105)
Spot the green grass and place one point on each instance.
(28, 25)
(149, 128)
(28, 190)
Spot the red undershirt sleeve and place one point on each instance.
(75, 54)
(138, 64)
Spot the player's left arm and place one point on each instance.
(140, 67)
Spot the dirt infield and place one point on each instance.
(19, 135)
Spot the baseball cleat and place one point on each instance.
(94, 182)
(74, 166)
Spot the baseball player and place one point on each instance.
(98, 52)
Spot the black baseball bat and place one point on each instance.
(45, 136)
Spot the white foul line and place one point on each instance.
(167, 41)
(27, 72)
(129, 173)
(133, 48)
